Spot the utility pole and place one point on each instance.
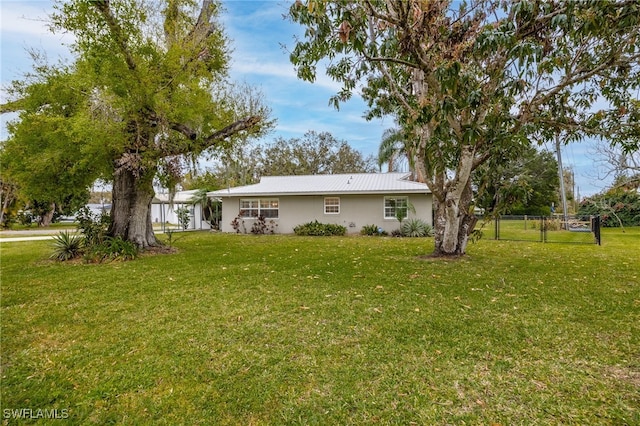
(563, 194)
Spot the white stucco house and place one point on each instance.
(352, 200)
(165, 212)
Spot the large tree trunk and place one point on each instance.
(453, 223)
(47, 217)
(131, 208)
(454, 219)
(7, 195)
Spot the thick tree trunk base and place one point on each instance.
(453, 224)
(131, 209)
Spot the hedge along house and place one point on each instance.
(351, 200)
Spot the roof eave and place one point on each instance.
(283, 194)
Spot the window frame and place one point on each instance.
(331, 205)
(259, 205)
(395, 198)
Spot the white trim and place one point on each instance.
(331, 205)
(393, 197)
(259, 207)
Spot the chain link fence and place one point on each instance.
(544, 229)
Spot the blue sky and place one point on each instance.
(260, 38)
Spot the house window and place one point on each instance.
(332, 205)
(266, 207)
(396, 206)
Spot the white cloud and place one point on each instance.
(29, 20)
(274, 69)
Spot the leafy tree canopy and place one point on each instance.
(315, 153)
(148, 86)
(470, 80)
(525, 185)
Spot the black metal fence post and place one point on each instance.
(595, 228)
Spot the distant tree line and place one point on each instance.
(314, 154)
(618, 206)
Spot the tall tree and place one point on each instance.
(151, 79)
(527, 184)
(314, 154)
(40, 156)
(615, 162)
(470, 80)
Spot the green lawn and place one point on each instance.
(276, 330)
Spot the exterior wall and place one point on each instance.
(356, 211)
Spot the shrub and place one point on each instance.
(238, 224)
(316, 228)
(92, 226)
(184, 217)
(615, 208)
(372, 230)
(552, 224)
(25, 218)
(112, 249)
(66, 246)
(396, 233)
(261, 226)
(415, 227)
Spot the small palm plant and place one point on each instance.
(66, 246)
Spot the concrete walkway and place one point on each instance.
(8, 236)
(14, 239)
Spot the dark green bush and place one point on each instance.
(111, 249)
(613, 208)
(372, 230)
(92, 226)
(25, 218)
(94, 243)
(316, 228)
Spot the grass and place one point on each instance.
(261, 330)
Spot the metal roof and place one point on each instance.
(351, 183)
(179, 197)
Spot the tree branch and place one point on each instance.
(116, 31)
(12, 106)
(185, 130)
(232, 129)
(218, 136)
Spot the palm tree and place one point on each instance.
(392, 147)
(200, 197)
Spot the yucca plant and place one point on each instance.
(415, 227)
(66, 246)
